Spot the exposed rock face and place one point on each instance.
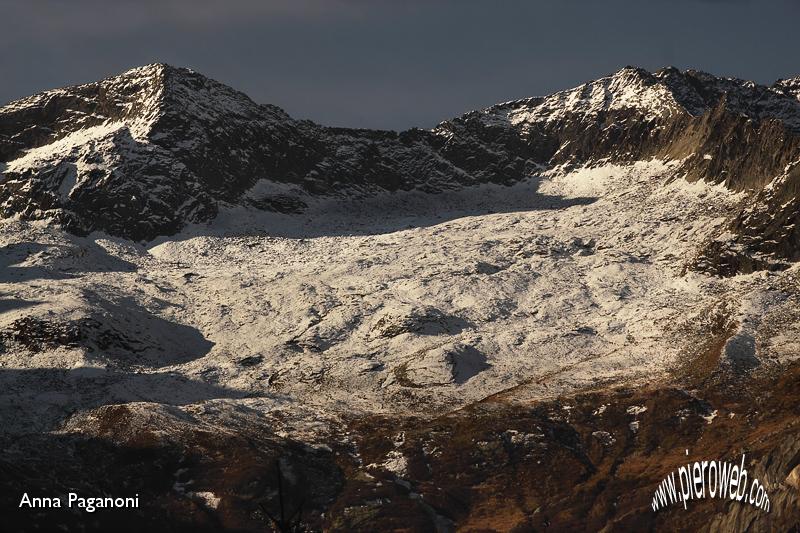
(144, 153)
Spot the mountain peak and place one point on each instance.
(630, 88)
(136, 154)
(150, 69)
(632, 72)
(157, 71)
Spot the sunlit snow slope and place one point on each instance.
(407, 302)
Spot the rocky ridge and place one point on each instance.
(144, 153)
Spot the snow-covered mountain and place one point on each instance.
(146, 152)
(143, 153)
(492, 322)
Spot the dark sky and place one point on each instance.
(392, 63)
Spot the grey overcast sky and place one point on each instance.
(391, 63)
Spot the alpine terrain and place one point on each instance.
(520, 320)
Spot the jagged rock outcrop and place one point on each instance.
(146, 152)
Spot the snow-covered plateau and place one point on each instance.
(407, 302)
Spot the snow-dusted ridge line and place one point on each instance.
(665, 90)
(144, 153)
